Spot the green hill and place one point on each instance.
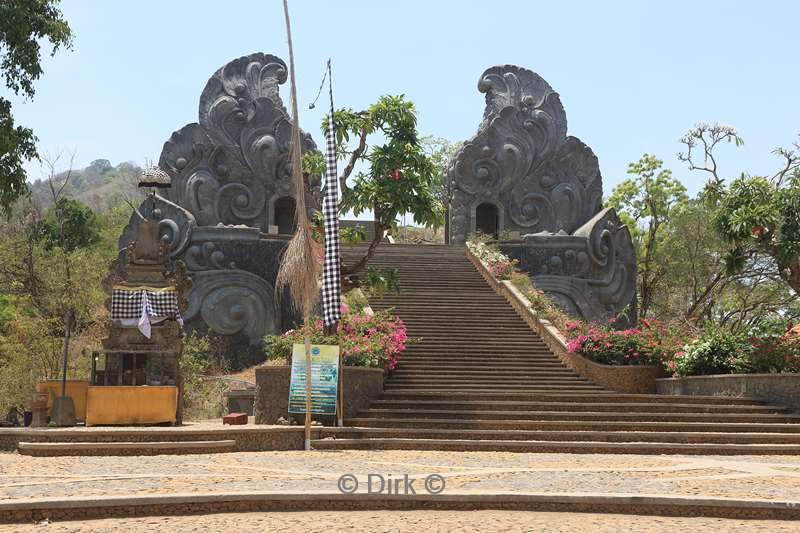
(100, 185)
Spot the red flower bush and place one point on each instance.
(365, 340)
(649, 344)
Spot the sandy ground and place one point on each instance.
(416, 521)
(751, 477)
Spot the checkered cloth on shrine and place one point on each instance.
(331, 275)
(126, 303)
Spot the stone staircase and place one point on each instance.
(482, 380)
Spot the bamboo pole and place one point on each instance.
(298, 270)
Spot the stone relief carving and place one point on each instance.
(227, 170)
(227, 167)
(175, 224)
(591, 273)
(233, 302)
(523, 159)
(547, 186)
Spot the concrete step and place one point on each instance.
(488, 361)
(599, 404)
(410, 365)
(672, 437)
(642, 448)
(564, 425)
(478, 354)
(408, 372)
(588, 415)
(490, 387)
(590, 397)
(403, 376)
(51, 449)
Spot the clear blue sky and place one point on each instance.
(633, 76)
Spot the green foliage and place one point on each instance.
(195, 360)
(766, 348)
(541, 303)
(654, 192)
(8, 312)
(30, 351)
(81, 227)
(756, 216)
(716, 352)
(441, 151)
(17, 145)
(34, 297)
(23, 25)
(352, 235)
(755, 212)
(378, 282)
(200, 367)
(347, 234)
(647, 204)
(401, 176)
(355, 300)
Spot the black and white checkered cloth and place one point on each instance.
(331, 280)
(126, 303)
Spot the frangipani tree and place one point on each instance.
(756, 215)
(400, 176)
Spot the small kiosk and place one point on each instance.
(136, 375)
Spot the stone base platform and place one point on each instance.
(62, 449)
(81, 508)
(248, 438)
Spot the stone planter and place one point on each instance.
(361, 386)
(633, 379)
(775, 389)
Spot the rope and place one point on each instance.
(322, 84)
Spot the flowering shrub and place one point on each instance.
(773, 353)
(716, 352)
(649, 344)
(490, 255)
(721, 352)
(365, 340)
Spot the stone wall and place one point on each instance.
(775, 389)
(361, 386)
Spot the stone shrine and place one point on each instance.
(230, 209)
(524, 180)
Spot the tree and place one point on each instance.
(81, 228)
(441, 152)
(755, 215)
(401, 176)
(22, 24)
(646, 203)
(698, 288)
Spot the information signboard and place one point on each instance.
(324, 379)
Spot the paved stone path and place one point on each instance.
(415, 521)
(750, 477)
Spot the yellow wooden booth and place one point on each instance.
(131, 387)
